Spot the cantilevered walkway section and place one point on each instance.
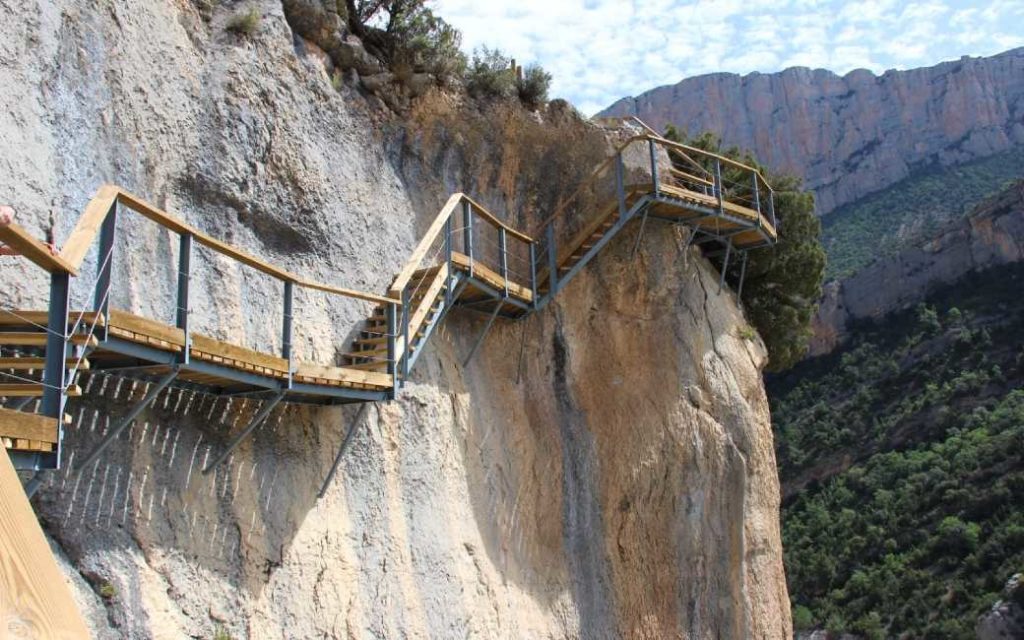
(467, 258)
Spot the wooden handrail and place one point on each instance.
(96, 211)
(413, 263)
(490, 217)
(682, 148)
(28, 246)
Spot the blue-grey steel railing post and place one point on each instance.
(533, 274)
(718, 186)
(392, 315)
(104, 267)
(406, 338)
(467, 232)
(552, 261)
(184, 273)
(287, 326)
(757, 198)
(771, 209)
(448, 262)
(56, 347)
(654, 168)
(620, 185)
(503, 248)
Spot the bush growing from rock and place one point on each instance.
(533, 86)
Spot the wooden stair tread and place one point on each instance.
(19, 318)
(26, 363)
(33, 390)
(27, 426)
(38, 339)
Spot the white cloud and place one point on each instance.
(601, 50)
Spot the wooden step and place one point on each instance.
(27, 426)
(25, 364)
(33, 390)
(38, 339)
(368, 366)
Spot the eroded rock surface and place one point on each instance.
(617, 480)
(992, 235)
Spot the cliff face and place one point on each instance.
(621, 483)
(848, 136)
(993, 234)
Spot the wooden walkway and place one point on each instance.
(467, 258)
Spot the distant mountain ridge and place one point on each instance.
(851, 135)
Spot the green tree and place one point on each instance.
(408, 36)
(783, 282)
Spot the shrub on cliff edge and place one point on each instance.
(783, 283)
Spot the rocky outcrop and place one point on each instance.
(851, 135)
(617, 481)
(1006, 618)
(993, 234)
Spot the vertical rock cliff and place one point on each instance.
(601, 470)
(850, 135)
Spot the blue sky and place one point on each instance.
(601, 50)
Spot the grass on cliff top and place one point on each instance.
(912, 210)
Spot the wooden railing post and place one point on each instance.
(184, 273)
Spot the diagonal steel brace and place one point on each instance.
(342, 449)
(127, 419)
(264, 411)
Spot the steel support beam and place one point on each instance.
(342, 449)
(725, 266)
(258, 419)
(533, 274)
(483, 334)
(743, 275)
(127, 419)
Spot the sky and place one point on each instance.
(601, 50)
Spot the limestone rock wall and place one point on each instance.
(616, 479)
(993, 234)
(850, 135)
